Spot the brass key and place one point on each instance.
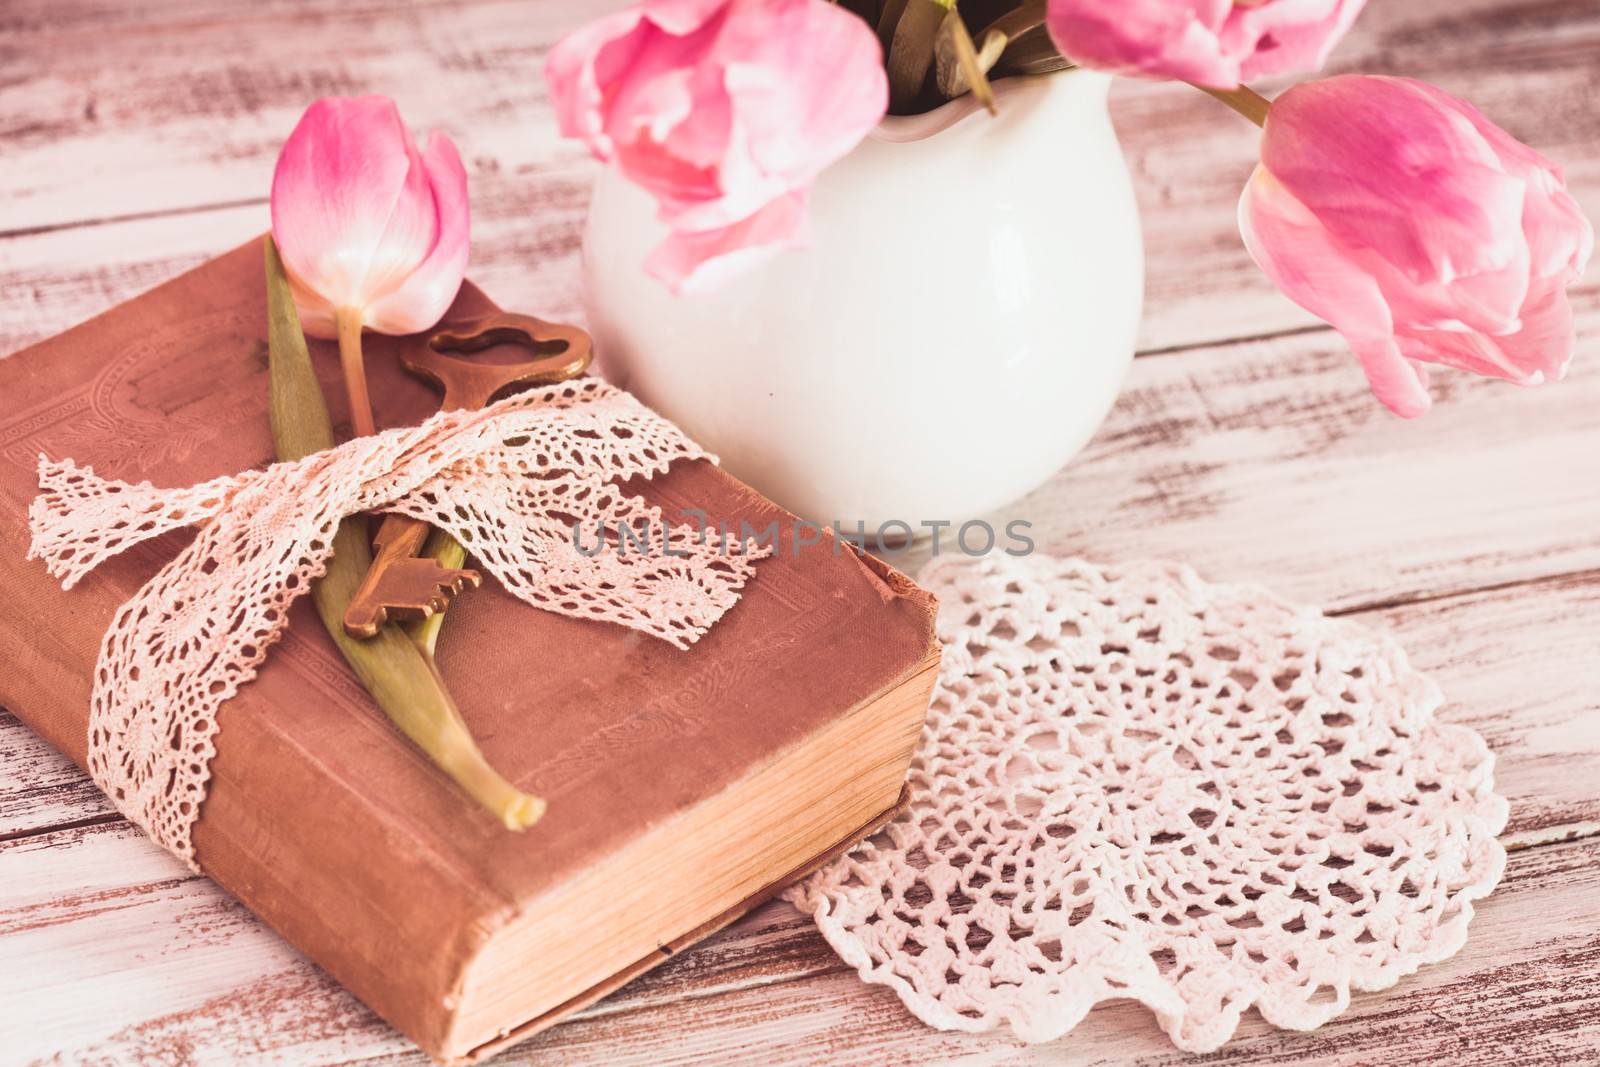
(400, 585)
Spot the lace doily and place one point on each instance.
(1136, 784)
(509, 482)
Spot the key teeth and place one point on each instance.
(367, 615)
(450, 587)
(363, 629)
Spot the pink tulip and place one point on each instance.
(724, 111)
(1216, 43)
(365, 222)
(1422, 231)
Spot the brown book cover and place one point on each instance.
(320, 816)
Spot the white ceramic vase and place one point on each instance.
(956, 331)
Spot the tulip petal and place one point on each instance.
(618, 49)
(724, 111)
(574, 71)
(733, 113)
(1215, 43)
(349, 200)
(1385, 166)
(683, 17)
(699, 260)
(1307, 263)
(671, 126)
(1284, 38)
(807, 81)
(412, 232)
(1560, 237)
(425, 294)
(1400, 384)
(1540, 351)
(1423, 232)
(316, 314)
(1490, 302)
(1158, 38)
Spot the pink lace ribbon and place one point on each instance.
(508, 481)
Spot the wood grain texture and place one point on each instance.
(180, 111)
(1268, 461)
(1247, 461)
(138, 140)
(184, 966)
(40, 789)
(767, 990)
(1518, 990)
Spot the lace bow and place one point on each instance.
(509, 481)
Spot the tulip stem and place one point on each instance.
(403, 679)
(348, 319)
(1245, 100)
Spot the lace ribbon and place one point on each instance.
(508, 481)
(1136, 784)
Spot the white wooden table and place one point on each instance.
(138, 139)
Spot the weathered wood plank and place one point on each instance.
(39, 787)
(102, 898)
(1521, 989)
(1251, 459)
(1531, 66)
(1521, 665)
(144, 962)
(1268, 462)
(105, 939)
(50, 281)
(1248, 459)
(99, 124)
(1461, 533)
(166, 957)
(183, 107)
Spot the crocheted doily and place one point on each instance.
(511, 481)
(1133, 783)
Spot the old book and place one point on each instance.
(683, 786)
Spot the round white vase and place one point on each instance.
(955, 332)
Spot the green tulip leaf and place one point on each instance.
(911, 52)
(401, 677)
(959, 66)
